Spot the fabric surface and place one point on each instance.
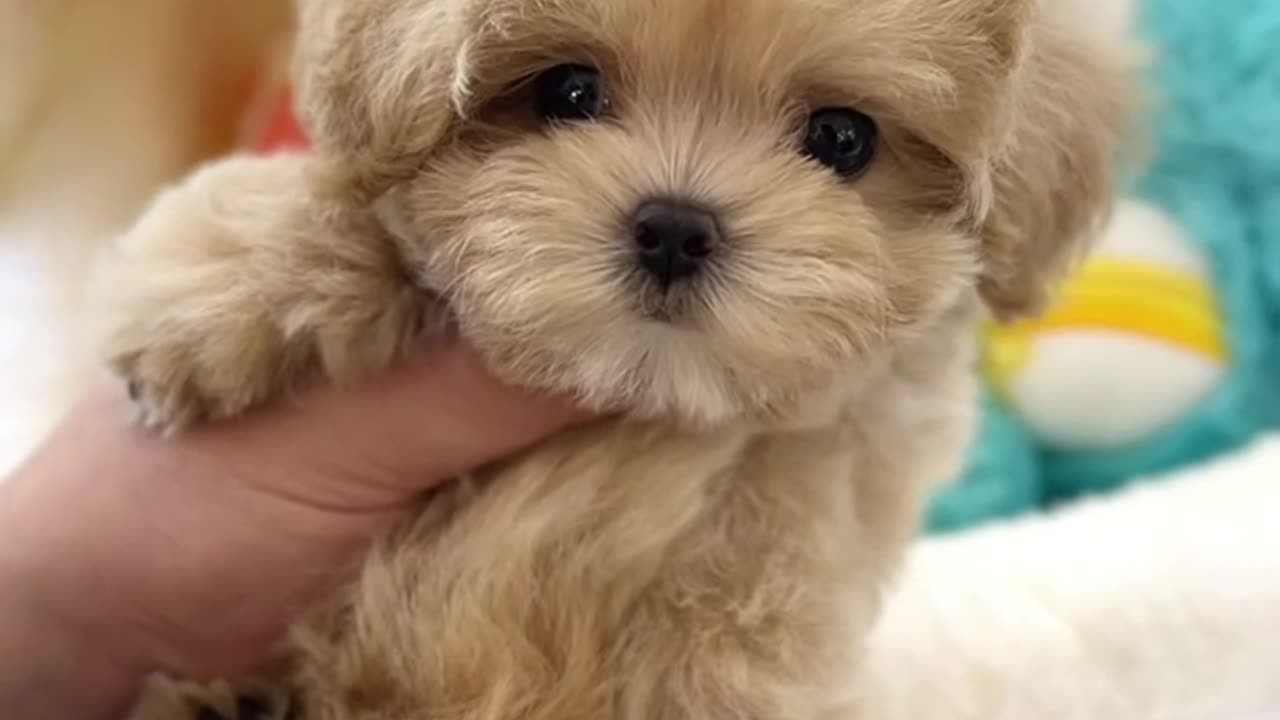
(1158, 602)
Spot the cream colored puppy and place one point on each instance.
(761, 230)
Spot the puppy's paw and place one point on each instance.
(156, 409)
(240, 280)
(172, 388)
(163, 698)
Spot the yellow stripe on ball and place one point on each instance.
(1125, 296)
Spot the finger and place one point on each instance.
(392, 437)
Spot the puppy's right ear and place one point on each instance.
(377, 83)
(1072, 98)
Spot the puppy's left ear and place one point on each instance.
(1071, 92)
(377, 83)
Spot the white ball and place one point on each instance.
(1094, 386)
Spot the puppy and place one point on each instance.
(758, 233)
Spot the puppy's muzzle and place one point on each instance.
(673, 239)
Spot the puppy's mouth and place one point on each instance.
(675, 304)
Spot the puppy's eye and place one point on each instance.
(842, 139)
(569, 92)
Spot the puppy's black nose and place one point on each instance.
(673, 239)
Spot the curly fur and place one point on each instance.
(719, 549)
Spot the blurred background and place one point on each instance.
(1148, 393)
(101, 103)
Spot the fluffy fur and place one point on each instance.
(1158, 603)
(718, 550)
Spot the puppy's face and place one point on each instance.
(686, 208)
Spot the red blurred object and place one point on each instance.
(281, 131)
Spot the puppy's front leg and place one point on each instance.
(242, 278)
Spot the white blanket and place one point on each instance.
(1162, 603)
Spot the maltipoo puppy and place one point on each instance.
(757, 232)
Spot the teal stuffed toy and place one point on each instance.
(1164, 349)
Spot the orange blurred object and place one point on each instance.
(282, 131)
(271, 123)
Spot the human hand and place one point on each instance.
(122, 552)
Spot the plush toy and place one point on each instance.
(1164, 348)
